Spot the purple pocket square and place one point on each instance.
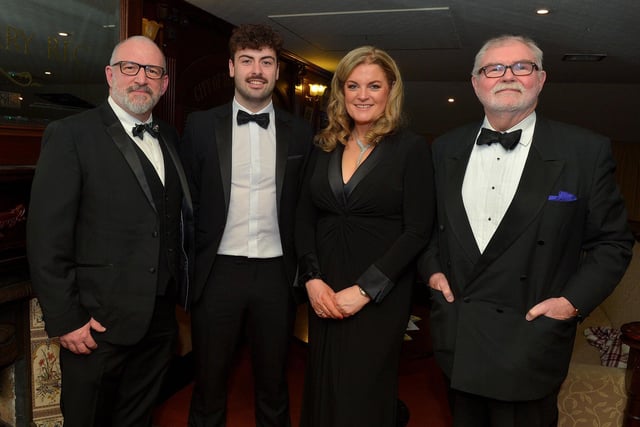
(562, 196)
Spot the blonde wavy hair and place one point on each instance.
(340, 124)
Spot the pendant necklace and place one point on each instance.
(363, 149)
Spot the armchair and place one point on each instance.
(598, 396)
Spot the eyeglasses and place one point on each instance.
(132, 69)
(494, 71)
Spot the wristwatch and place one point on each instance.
(362, 292)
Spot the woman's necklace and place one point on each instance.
(363, 149)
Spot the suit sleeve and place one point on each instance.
(607, 241)
(54, 204)
(428, 262)
(305, 231)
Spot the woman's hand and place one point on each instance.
(322, 299)
(350, 300)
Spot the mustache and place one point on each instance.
(508, 86)
(257, 77)
(143, 88)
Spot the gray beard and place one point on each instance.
(138, 107)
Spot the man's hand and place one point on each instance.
(80, 341)
(555, 308)
(439, 282)
(322, 299)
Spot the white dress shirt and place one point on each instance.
(252, 221)
(149, 145)
(491, 180)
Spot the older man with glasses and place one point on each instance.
(532, 235)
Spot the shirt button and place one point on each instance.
(152, 270)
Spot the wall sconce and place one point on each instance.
(316, 90)
(150, 28)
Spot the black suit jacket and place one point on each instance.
(207, 159)
(92, 229)
(543, 248)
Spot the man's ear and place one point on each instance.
(232, 69)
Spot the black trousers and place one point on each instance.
(116, 385)
(249, 298)
(470, 410)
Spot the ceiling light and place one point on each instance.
(584, 57)
(543, 11)
(451, 100)
(63, 34)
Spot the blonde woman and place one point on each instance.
(365, 212)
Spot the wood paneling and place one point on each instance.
(19, 145)
(627, 157)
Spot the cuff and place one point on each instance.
(375, 283)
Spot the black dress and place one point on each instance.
(367, 231)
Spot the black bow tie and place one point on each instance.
(507, 140)
(261, 119)
(138, 130)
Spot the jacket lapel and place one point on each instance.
(223, 132)
(173, 154)
(283, 136)
(456, 166)
(125, 145)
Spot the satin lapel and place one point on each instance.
(540, 173)
(125, 145)
(181, 176)
(456, 166)
(223, 129)
(283, 136)
(335, 175)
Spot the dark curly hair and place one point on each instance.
(254, 36)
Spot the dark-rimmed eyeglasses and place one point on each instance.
(494, 71)
(132, 68)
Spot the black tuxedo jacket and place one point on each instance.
(564, 234)
(92, 229)
(206, 151)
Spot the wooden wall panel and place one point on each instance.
(627, 157)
